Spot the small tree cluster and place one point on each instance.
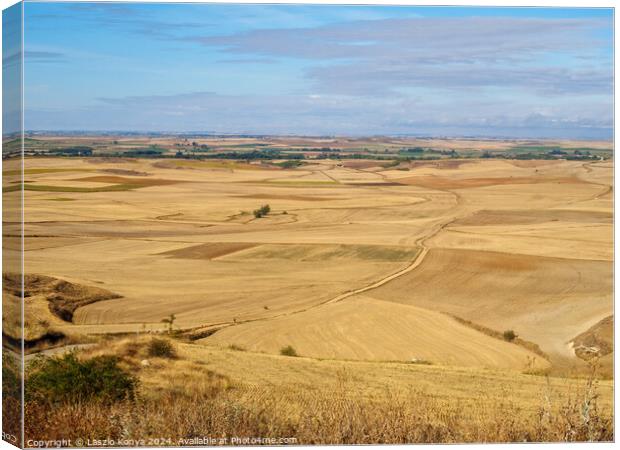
(510, 335)
(262, 211)
(288, 351)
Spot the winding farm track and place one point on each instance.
(417, 228)
(412, 266)
(417, 261)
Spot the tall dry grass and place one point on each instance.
(213, 406)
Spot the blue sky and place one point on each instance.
(319, 70)
(11, 70)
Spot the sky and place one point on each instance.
(319, 69)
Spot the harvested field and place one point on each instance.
(420, 292)
(319, 253)
(360, 164)
(363, 328)
(133, 173)
(437, 182)
(378, 183)
(532, 216)
(275, 196)
(545, 300)
(142, 182)
(212, 164)
(208, 251)
(445, 164)
(351, 267)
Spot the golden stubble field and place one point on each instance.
(427, 263)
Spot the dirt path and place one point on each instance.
(415, 263)
(420, 242)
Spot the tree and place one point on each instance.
(262, 211)
(510, 335)
(170, 321)
(288, 351)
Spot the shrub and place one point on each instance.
(509, 335)
(262, 211)
(67, 379)
(11, 379)
(161, 348)
(288, 351)
(236, 348)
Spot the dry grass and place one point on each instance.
(199, 402)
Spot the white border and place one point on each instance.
(514, 3)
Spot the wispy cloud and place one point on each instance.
(441, 40)
(381, 56)
(328, 115)
(325, 70)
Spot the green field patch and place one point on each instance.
(115, 183)
(46, 188)
(241, 146)
(211, 164)
(13, 188)
(296, 183)
(332, 252)
(35, 171)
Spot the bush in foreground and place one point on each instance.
(161, 348)
(326, 416)
(68, 379)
